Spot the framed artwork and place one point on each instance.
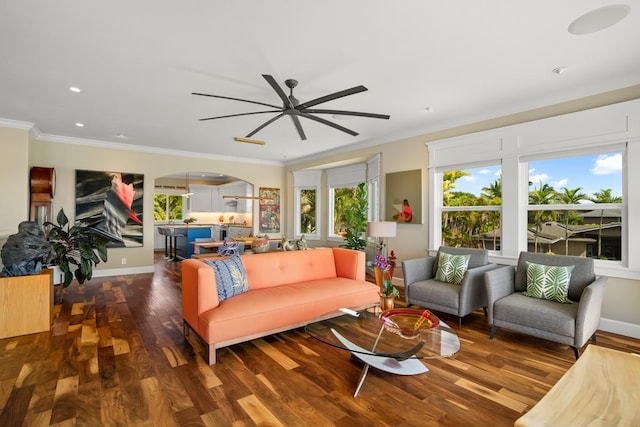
(111, 202)
(269, 210)
(403, 201)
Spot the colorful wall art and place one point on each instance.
(111, 202)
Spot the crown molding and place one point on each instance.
(138, 148)
(16, 124)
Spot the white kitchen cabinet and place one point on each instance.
(205, 198)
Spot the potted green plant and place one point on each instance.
(388, 292)
(356, 220)
(76, 248)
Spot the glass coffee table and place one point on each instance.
(394, 341)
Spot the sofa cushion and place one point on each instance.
(451, 268)
(536, 314)
(277, 306)
(548, 282)
(231, 279)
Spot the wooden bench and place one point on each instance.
(601, 388)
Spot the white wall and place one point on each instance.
(67, 157)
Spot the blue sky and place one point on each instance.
(592, 173)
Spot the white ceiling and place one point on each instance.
(137, 63)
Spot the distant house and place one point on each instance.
(583, 239)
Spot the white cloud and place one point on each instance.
(606, 165)
(469, 178)
(537, 179)
(484, 171)
(559, 184)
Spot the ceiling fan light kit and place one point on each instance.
(293, 108)
(250, 141)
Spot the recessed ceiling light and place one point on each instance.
(428, 109)
(599, 19)
(75, 89)
(80, 125)
(559, 70)
(121, 136)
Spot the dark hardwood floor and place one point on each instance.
(116, 356)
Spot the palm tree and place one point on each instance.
(603, 196)
(494, 193)
(569, 197)
(543, 195)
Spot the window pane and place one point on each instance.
(594, 233)
(471, 229)
(343, 201)
(160, 207)
(570, 180)
(472, 187)
(308, 211)
(175, 207)
(578, 181)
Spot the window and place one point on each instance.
(167, 207)
(566, 186)
(342, 183)
(471, 207)
(308, 211)
(307, 204)
(576, 205)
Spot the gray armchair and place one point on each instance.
(572, 324)
(422, 289)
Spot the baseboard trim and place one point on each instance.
(621, 328)
(123, 271)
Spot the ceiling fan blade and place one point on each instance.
(278, 89)
(241, 114)
(264, 125)
(331, 97)
(328, 123)
(235, 99)
(349, 113)
(296, 122)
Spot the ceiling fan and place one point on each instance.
(293, 108)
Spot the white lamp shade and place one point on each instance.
(381, 229)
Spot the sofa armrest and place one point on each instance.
(589, 310)
(499, 282)
(349, 263)
(199, 291)
(473, 292)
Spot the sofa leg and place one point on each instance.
(576, 351)
(185, 328)
(459, 323)
(493, 331)
(485, 311)
(211, 356)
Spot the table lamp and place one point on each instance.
(382, 229)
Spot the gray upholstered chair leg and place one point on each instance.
(459, 323)
(593, 338)
(485, 311)
(576, 351)
(493, 331)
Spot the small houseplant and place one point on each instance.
(356, 220)
(388, 292)
(76, 248)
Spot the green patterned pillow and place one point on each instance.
(548, 282)
(451, 268)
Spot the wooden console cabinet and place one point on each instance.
(26, 304)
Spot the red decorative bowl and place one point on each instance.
(408, 323)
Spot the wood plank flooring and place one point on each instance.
(115, 356)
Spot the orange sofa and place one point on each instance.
(286, 290)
